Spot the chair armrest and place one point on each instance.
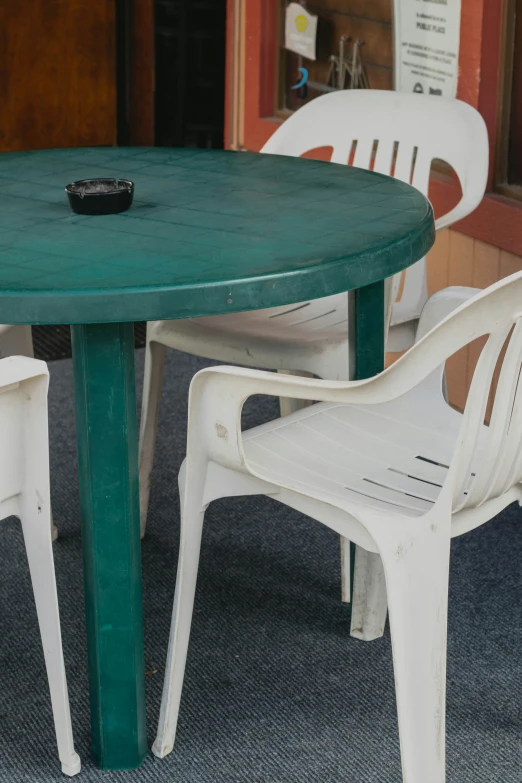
(217, 395)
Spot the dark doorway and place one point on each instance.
(190, 72)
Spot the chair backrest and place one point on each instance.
(398, 134)
(12, 441)
(23, 426)
(487, 469)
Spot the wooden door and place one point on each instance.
(190, 44)
(57, 73)
(252, 43)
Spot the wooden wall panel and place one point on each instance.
(438, 263)
(57, 73)
(379, 78)
(461, 256)
(509, 263)
(460, 272)
(486, 264)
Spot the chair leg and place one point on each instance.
(346, 570)
(36, 526)
(190, 544)
(369, 602)
(154, 362)
(417, 574)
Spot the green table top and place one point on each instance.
(209, 232)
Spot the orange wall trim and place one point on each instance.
(497, 221)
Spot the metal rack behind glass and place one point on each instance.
(352, 52)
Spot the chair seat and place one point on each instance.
(391, 457)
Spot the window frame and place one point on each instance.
(506, 70)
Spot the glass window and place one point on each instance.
(344, 26)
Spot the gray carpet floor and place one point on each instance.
(276, 690)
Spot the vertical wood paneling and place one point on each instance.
(509, 263)
(461, 255)
(460, 272)
(486, 271)
(438, 263)
(486, 264)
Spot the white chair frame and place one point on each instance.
(18, 341)
(394, 133)
(410, 530)
(25, 493)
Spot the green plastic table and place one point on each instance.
(209, 232)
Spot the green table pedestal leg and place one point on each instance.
(369, 344)
(369, 330)
(105, 396)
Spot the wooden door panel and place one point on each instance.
(57, 73)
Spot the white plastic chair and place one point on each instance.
(402, 134)
(384, 462)
(18, 341)
(24, 492)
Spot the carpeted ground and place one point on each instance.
(276, 690)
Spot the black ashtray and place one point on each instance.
(105, 196)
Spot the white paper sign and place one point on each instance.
(427, 35)
(300, 31)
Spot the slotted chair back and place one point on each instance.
(397, 134)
